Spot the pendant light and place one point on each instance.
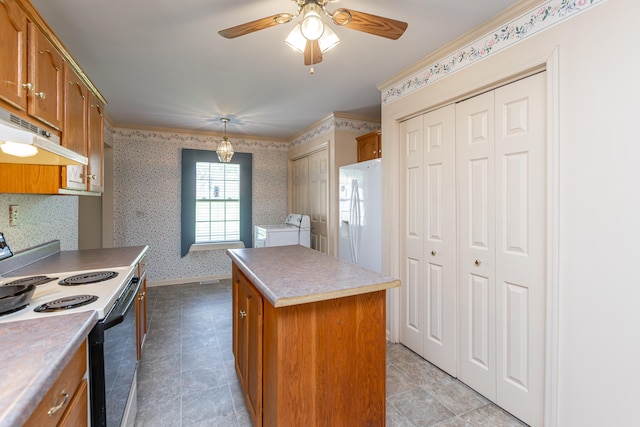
(225, 150)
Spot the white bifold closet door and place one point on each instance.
(500, 166)
(429, 291)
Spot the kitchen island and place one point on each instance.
(309, 337)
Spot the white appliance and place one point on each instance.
(48, 289)
(360, 225)
(296, 230)
(109, 292)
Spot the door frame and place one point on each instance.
(466, 83)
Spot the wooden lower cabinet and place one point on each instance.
(247, 342)
(315, 364)
(141, 307)
(65, 403)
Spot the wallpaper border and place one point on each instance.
(526, 25)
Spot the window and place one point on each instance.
(217, 202)
(216, 199)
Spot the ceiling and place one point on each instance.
(162, 64)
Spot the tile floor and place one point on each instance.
(186, 376)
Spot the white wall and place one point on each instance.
(597, 73)
(147, 195)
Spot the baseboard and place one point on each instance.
(202, 280)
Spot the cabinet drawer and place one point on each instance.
(65, 385)
(77, 415)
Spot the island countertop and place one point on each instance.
(291, 275)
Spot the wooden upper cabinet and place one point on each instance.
(41, 82)
(13, 54)
(45, 95)
(76, 126)
(369, 146)
(95, 174)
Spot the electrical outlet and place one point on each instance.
(13, 215)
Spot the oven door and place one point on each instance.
(112, 357)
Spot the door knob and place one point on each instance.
(477, 262)
(433, 252)
(243, 314)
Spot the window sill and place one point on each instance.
(196, 247)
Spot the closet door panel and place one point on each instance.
(520, 252)
(413, 292)
(476, 263)
(318, 199)
(440, 242)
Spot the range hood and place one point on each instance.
(23, 142)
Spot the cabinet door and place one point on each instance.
(253, 319)
(95, 174)
(369, 146)
(141, 317)
(247, 343)
(240, 327)
(46, 75)
(74, 135)
(13, 55)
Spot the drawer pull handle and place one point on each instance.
(243, 314)
(433, 252)
(477, 262)
(64, 401)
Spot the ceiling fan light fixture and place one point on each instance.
(296, 40)
(225, 149)
(328, 41)
(311, 25)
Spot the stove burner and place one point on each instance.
(33, 280)
(87, 278)
(66, 303)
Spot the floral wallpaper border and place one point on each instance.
(146, 135)
(335, 123)
(539, 19)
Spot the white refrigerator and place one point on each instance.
(360, 225)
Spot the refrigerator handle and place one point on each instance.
(354, 227)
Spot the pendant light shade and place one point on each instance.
(225, 150)
(298, 42)
(311, 25)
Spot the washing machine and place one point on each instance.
(296, 230)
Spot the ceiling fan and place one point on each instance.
(311, 36)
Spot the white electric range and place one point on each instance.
(105, 286)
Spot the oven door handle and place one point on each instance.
(122, 305)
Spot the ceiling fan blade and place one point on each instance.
(312, 53)
(376, 25)
(258, 24)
